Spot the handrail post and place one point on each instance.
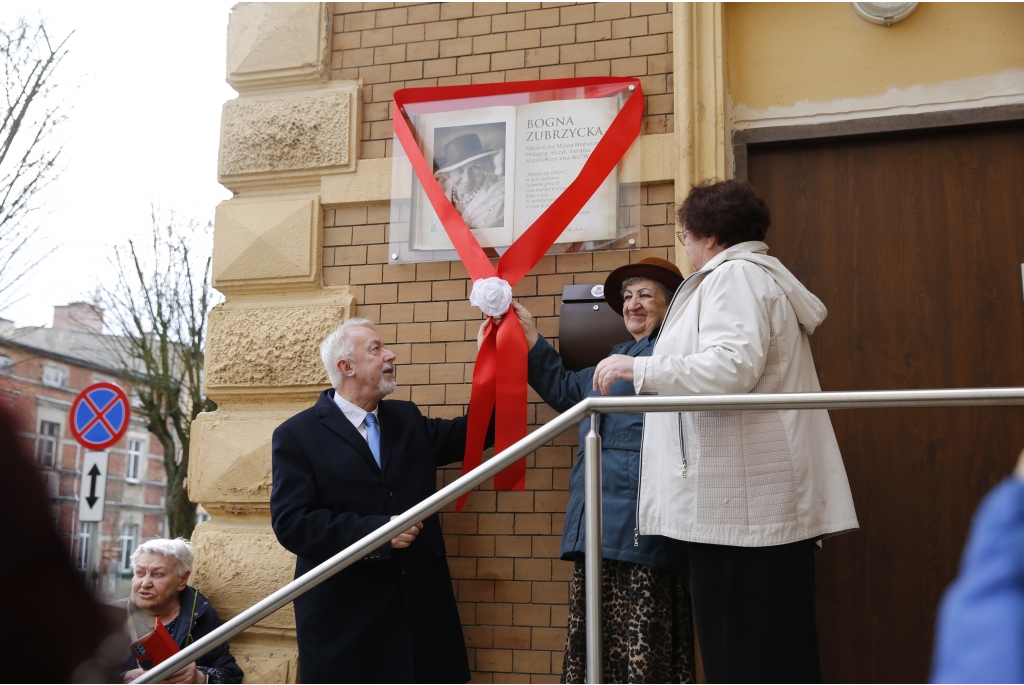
(594, 550)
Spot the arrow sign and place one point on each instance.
(99, 416)
(94, 473)
(94, 466)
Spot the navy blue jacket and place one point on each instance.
(620, 453)
(195, 620)
(390, 617)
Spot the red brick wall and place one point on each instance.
(503, 548)
(397, 45)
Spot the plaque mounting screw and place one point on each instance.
(632, 241)
(394, 256)
(596, 307)
(632, 87)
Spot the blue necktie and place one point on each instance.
(373, 436)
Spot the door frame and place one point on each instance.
(743, 138)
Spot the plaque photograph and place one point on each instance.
(502, 167)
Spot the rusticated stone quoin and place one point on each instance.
(234, 576)
(266, 245)
(276, 347)
(230, 461)
(271, 135)
(278, 45)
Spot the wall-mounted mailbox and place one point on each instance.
(587, 327)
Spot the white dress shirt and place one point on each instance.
(354, 413)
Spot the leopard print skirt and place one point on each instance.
(648, 626)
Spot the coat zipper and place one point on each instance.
(639, 482)
(636, 530)
(682, 443)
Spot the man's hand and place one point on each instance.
(528, 323)
(611, 369)
(482, 333)
(406, 538)
(525, 320)
(188, 674)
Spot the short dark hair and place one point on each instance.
(731, 211)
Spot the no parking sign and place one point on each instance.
(99, 416)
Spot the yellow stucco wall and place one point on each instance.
(779, 54)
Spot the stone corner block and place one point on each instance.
(230, 460)
(272, 45)
(266, 661)
(267, 244)
(288, 140)
(253, 350)
(236, 566)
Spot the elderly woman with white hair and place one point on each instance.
(160, 590)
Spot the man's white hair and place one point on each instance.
(338, 346)
(179, 549)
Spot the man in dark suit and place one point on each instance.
(342, 469)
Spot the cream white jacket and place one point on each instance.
(752, 478)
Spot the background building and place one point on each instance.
(42, 370)
(890, 158)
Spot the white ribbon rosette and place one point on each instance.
(493, 295)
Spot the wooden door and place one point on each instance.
(915, 243)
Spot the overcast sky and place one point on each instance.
(146, 87)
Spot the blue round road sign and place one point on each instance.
(99, 416)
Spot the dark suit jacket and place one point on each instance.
(390, 617)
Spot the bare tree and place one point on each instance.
(28, 155)
(158, 312)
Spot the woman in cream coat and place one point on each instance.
(753, 491)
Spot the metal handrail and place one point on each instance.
(591, 406)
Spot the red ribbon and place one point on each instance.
(503, 388)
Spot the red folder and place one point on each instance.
(154, 648)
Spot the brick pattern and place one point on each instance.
(503, 548)
(389, 46)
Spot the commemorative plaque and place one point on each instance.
(512, 170)
(502, 160)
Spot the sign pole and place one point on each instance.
(98, 418)
(94, 559)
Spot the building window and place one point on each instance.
(46, 444)
(6, 364)
(134, 461)
(83, 546)
(201, 517)
(56, 376)
(129, 539)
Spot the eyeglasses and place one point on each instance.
(684, 235)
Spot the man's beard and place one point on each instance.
(386, 386)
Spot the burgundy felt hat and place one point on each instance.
(654, 268)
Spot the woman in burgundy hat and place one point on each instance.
(648, 626)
